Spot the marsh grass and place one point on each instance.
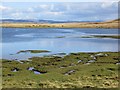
(103, 73)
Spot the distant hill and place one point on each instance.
(39, 21)
(113, 21)
(14, 21)
(117, 19)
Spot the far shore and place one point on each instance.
(107, 24)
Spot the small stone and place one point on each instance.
(100, 54)
(90, 61)
(14, 69)
(70, 72)
(30, 68)
(79, 61)
(118, 63)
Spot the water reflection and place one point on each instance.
(16, 39)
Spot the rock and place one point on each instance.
(91, 56)
(20, 61)
(79, 61)
(94, 57)
(90, 61)
(87, 63)
(62, 67)
(70, 72)
(72, 64)
(14, 69)
(106, 54)
(36, 72)
(30, 68)
(118, 63)
(101, 55)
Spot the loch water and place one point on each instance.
(55, 40)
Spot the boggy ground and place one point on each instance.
(76, 70)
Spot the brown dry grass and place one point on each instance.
(107, 24)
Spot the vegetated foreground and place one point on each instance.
(107, 24)
(76, 70)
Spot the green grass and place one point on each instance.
(103, 73)
(60, 37)
(102, 36)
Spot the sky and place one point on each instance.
(60, 11)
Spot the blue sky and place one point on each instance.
(70, 11)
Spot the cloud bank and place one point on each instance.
(82, 11)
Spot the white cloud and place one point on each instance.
(107, 4)
(64, 11)
(17, 15)
(5, 8)
(44, 6)
(30, 10)
(53, 13)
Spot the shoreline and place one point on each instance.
(50, 55)
(108, 25)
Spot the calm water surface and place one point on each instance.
(54, 40)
